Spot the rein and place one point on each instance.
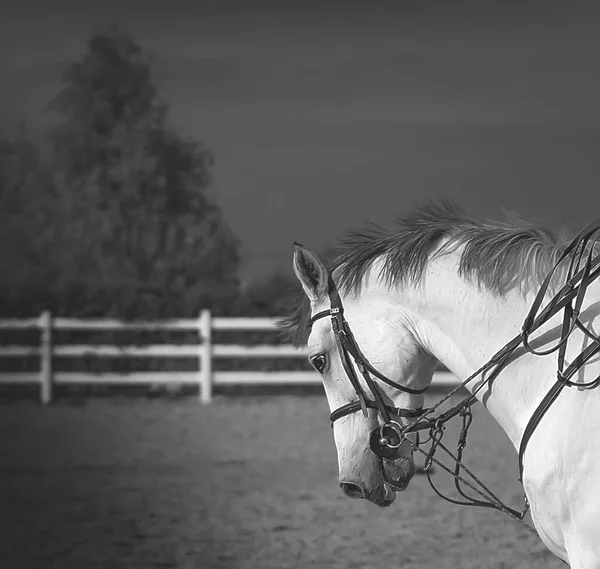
(386, 439)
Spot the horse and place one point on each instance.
(487, 300)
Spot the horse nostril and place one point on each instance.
(352, 490)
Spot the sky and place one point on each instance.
(325, 116)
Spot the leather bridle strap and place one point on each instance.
(355, 406)
(578, 244)
(550, 397)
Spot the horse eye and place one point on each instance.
(319, 362)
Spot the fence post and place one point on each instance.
(205, 356)
(45, 324)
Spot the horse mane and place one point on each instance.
(498, 256)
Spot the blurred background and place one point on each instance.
(160, 158)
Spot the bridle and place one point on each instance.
(386, 439)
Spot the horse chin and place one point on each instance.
(398, 473)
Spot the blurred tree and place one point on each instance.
(272, 297)
(135, 231)
(277, 295)
(23, 266)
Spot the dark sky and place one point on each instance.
(322, 119)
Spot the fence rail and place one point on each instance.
(204, 351)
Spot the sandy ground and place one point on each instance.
(248, 482)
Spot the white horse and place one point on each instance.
(442, 287)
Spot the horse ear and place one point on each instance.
(311, 272)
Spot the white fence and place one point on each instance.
(205, 351)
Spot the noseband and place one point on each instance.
(385, 440)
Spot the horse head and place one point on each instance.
(365, 342)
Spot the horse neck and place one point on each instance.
(463, 326)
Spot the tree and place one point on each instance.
(271, 297)
(23, 263)
(135, 229)
(277, 294)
